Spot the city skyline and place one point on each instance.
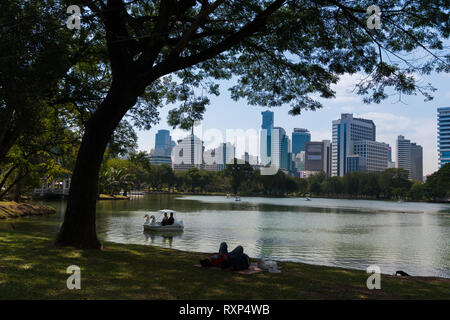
(415, 119)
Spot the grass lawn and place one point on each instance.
(31, 268)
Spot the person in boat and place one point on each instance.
(150, 219)
(171, 219)
(236, 259)
(165, 219)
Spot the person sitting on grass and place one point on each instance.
(235, 260)
(165, 219)
(171, 220)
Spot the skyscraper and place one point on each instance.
(267, 120)
(375, 154)
(163, 148)
(318, 156)
(188, 153)
(280, 148)
(416, 162)
(410, 158)
(443, 135)
(216, 159)
(300, 137)
(265, 136)
(391, 164)
(346, 131)
(355, 163)
(163, 143)
(404, 154)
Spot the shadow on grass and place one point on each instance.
(32, 268)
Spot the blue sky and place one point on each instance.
(413, 118)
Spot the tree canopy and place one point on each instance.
(144, 54)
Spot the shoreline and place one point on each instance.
(287, 196)
(12, 210)
(253, 259)
(32, 268)
(114, 197)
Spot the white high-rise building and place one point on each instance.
(410, 158)
(216, 159)
(265, 146)
(404, 154)
(188, 153)
(346, 131)
(280, 148)
(375, 154)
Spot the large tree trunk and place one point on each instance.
(79, 228)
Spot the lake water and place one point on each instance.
(413, 237)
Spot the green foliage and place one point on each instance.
(238, 173)
(394, 183)
(137, 172)
(437, 186)
(115, 176)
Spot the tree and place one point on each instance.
(36, 52)
(333, 185)
(238, 173)
(193, 178)
(438, 184)
(394, 183)
(371, 187)
(282, 52)
(167, 175)
(417, 191)
(302, 186)
(315, 188)
(117, 176)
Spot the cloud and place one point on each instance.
(419, 130)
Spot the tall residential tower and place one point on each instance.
(443, 135)
(300, 137)
(410, 158)
(346, 131)
(265, 147)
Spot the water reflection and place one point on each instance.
(164, 238)
(414, 237)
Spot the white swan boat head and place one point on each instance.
(151, 223)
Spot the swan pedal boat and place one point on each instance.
(157, 226)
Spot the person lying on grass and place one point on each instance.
(235, 260)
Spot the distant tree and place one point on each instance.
(116, 176)
(438, 184)
(333, 185)
(167, 175)
(371, 186)
(315, 188)
(238, 174)
(180, 180)
(193, 178)
(417, 191)
(302, 185)
(394, 182)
